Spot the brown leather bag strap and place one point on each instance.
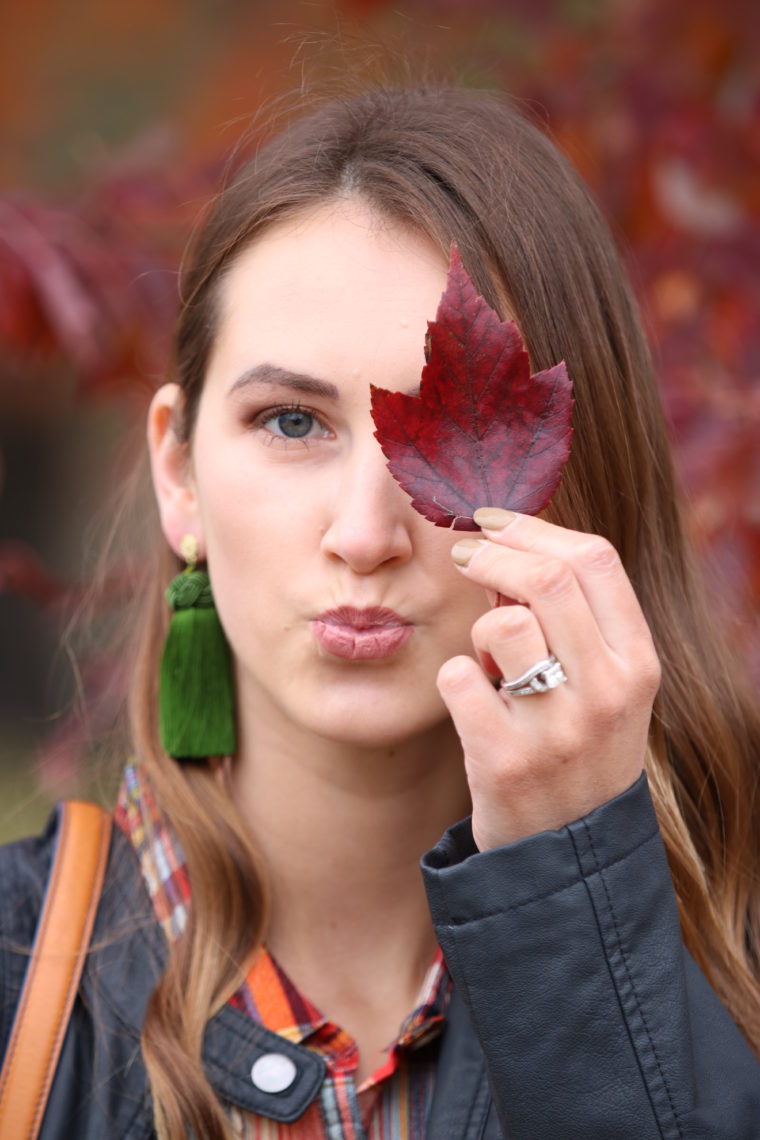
(52, 977)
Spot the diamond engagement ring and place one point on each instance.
(544, 675)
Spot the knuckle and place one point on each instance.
(512, 621)
(480, 628)
(644, 668)
(454, 676)
(551, 576)
(502, 623)
(650, 674)
(597, 552)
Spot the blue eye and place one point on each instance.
(294, 424)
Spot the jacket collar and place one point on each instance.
(127, 957)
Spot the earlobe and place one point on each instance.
(173, 482)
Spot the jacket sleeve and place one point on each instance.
(593, 1018)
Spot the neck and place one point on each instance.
(342, 830)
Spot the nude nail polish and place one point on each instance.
(463, 550)
(493, 518)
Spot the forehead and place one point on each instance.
(337, 288)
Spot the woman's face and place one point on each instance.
(339, 601)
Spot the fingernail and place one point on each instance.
(493, 518)
(463, 550)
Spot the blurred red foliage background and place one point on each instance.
(658, 105)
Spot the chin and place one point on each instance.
(363, 708)
(370, 739)
(376, 724)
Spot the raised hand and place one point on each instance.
(540, 761)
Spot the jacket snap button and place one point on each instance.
(273, 1073)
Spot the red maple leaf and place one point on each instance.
(483, 431)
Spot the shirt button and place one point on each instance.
(273, 1073)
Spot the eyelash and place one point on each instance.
(261, 418)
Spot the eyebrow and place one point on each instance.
(273, 376)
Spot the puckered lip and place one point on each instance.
(371, 617)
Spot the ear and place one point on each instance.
(171, 468)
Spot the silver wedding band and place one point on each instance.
(542, 677)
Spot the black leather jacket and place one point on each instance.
(577, 1014)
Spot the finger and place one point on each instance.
(548, 586)
(508, 641)
(472, 702)
(595, 563)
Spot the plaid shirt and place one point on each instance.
(392, 1103)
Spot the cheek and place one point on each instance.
(466, 606)
(461, 602)
(240, 494)
(254, 541)
(259, 535)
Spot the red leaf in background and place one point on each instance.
(23, 573)
(483, 431)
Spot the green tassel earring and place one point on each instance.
(196, 696)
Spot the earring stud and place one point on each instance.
(188, 548)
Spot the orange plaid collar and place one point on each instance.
(269, 997)
(267, 994)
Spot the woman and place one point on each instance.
(250, 980)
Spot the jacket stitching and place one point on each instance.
(453, 922)
(482, 1099)
(454, 953)
(629, 976)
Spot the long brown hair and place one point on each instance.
(465, 166)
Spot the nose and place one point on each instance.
(370, 516)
